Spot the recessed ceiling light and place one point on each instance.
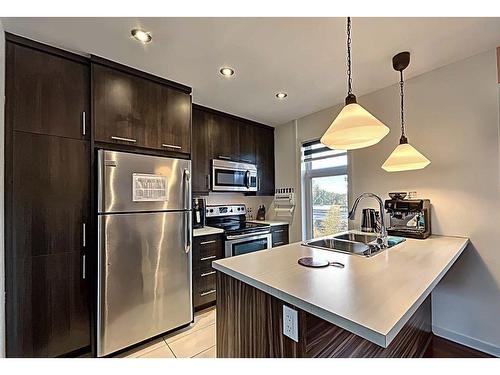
(141, 35)
(281, 95)
(226, 71)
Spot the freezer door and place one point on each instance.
(131, 182)
(144, 277)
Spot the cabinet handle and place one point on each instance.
(207, 242)
(258, 183)
(208, 181)
(83, 122)
(208, 292)
(224, 157)
(84, 235)
(84, 266)
(279, 231)
(123, 139)
(207, 273)
(210, 257)
(279, 243)
(171, 146)
(246, 160)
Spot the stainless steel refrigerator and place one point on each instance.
(144, 248)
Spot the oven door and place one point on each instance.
(233, 176)
(247, 243)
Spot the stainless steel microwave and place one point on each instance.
(233, 176)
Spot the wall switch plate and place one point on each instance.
(290, 323)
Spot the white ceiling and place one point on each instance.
(303, 56)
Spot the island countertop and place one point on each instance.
(370, 297)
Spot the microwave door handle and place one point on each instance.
(247, 179)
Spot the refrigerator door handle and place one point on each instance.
(187, 248)
(187, 177)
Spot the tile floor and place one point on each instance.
(195, 341)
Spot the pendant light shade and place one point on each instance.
(405, 157)
(354, 127)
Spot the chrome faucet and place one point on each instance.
(382, 237)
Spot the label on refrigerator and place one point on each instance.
(149, 187)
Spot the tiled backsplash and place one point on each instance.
(252, 202)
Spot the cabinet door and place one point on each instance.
(47, 298)
(265, 160)
(126, 108)
(224, 137)
(175, 127)
(200, 153)
(49, 93)
(280, 235)
(247, 142)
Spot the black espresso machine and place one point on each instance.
(408, 217)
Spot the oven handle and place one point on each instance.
(246, 235)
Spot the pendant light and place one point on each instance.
(404, 157)
(354, 127)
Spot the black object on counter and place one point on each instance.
(313, 262)
(261, 213)
(409, 217)
(199, 212)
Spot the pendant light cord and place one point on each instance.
(349, 73)
(401, 85)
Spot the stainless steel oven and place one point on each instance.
(247, 243)
(233, 176)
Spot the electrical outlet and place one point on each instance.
(290, 323)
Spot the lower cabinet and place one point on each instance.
(206, 249)
(280, 235)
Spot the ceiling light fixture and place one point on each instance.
(226, 71)
(404, 157)
(141, 35)
(281, 95)
(354, 127)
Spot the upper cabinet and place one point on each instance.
(48, 93)
(264, 141)
(139, 110)
(217, 135)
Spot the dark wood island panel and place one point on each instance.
(250, 325)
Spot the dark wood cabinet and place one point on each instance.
(217, 135)
(206, 249)
(200, 182)
(47, 196)
(49, 94)
(223, 138)
(136, 111)
(264, 141)
(279, 235)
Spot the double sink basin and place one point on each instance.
(353, 243)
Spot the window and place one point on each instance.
(324, 186)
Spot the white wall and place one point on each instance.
(453, 118)
(252, 202)
(2, 128)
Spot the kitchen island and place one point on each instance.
(373, 307)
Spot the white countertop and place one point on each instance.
(270, 222)
(205, 231)
(371, 297)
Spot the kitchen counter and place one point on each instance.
(270, 222)
(205, 231)
(371, 297)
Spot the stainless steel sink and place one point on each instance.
(342, 246)
(352, 243)
(356, 237)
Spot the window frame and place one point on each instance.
(308, 174)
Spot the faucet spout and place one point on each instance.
(383, 230)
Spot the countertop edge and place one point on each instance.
(340, 321)
(404, 319)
